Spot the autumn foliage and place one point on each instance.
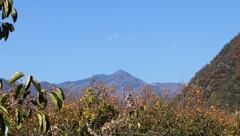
(97, 110)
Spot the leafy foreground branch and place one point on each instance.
(6, 6)
(19, 106)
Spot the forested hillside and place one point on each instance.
(219, 81)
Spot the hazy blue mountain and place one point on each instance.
(173, 88)
(120, 79)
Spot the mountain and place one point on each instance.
(172, 88)
(121, 81)
(47, 85)
(219, 81)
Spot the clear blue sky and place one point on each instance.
(154, 40)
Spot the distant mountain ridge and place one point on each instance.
(121, 81)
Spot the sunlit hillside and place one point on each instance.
(219, 81)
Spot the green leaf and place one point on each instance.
(29, 113)
(41, 100)
(5, 9)
(14, 14)
(10, 27)
(1, 84)
(46, 123)
(22, 90)
(7, 127)
(40, 105)
(15, 77)
(9, 9)
(26, 93)
(60, 93)
(3, 98)
(23, 114)
(28, 82)
(17, 91)
(40, 120)
(5, 31)
(56, 100)
(43, 112)
(18, 117)
(2, 124)
(4, 110)
(10, 2)
(37, 85)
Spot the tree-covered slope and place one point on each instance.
(219, 81)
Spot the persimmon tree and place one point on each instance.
(18, 101)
